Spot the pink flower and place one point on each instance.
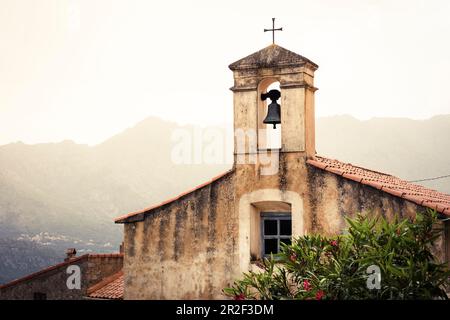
(319, 295)
(306, 285)
(293, 257)
(334, 243)
(240, 296)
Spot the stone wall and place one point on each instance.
(53, 281)
(101, 266)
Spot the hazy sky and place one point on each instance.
(87, 69)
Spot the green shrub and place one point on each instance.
(317, 267)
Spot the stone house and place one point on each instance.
(194, 245)
(100, 278)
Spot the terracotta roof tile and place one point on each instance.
(387, 183)
(109, 288)
(105, 255)
(350, 176)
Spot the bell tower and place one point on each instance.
(253, 75)
(273, 87)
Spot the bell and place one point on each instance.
(273, 110)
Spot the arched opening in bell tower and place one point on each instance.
(269, 135)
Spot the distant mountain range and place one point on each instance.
(21, 257)
(59, 195)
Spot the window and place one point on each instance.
(276, 228)
(39, 296)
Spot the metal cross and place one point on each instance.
(273, 30)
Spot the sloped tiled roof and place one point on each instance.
(387, 183)
(109, 288)
(271, 56)
(44, 271)
(60, 266)
(133, 216)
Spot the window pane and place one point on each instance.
(270, 246)
(270, 227)
(286, 241)
(285, 227)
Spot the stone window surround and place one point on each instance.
(250, 207)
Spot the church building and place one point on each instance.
(194, 245)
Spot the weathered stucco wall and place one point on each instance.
(186, 249)
(331, 198)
